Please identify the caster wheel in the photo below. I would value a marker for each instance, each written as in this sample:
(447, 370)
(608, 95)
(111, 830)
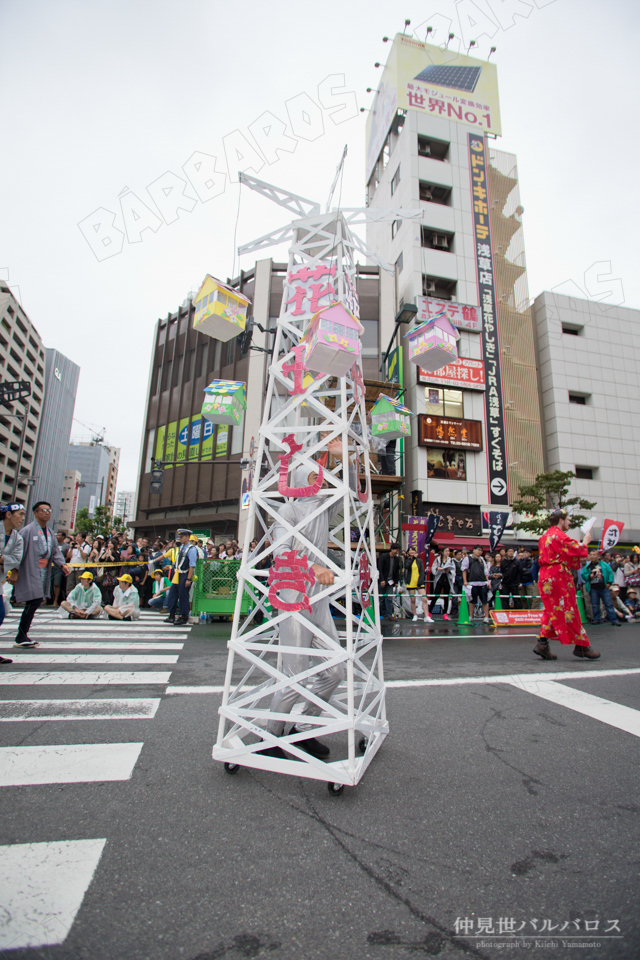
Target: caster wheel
(362, 744)
(335, 789)
(231, 768)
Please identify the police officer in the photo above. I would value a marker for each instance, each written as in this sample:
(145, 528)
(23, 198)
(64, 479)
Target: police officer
(182, 578)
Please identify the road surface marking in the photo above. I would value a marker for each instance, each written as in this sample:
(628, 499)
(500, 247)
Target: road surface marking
(26, 678)
(32, 658)
(614, 714)
(101, 645)
(457, 681)
(122, 709)
(42, 886)
(67, 763)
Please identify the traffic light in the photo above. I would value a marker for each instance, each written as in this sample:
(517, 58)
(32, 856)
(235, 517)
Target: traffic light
(157, 480)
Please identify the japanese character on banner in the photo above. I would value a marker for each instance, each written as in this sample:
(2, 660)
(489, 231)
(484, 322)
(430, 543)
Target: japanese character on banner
(297, 367)
(364, 573)
(313, 273)
(285, 458)
(290, 571)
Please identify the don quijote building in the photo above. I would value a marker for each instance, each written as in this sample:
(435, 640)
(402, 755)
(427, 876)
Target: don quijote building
(431, 142)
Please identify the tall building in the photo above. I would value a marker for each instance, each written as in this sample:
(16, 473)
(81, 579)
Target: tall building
(93, 461)
(69, 501)
(202, 490)
(112, 477)
(588, 361)
(21, 358)
(124, 507)
(430, 146)
(60, 387)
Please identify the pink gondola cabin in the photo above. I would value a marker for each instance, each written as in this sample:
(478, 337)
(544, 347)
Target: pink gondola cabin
(332, 340)
(433, 344)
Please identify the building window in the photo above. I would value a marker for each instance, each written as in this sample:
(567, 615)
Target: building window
(231, 349)
(586, 473)
(204, 355)
(436, 239)
(438, 287)
(395, 226)
(445, 464)
(436, 149)
(399, 264)
(395, 180)
(579, 398)
(443, 402)
(572, 331)
(434, 193)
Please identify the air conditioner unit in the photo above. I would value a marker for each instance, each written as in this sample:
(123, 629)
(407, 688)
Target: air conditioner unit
(431, 288)
(425, 150)
(426, 193)
(440, 240)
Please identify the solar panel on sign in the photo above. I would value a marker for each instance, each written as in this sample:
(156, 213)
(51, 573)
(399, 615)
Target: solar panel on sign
(461, 78)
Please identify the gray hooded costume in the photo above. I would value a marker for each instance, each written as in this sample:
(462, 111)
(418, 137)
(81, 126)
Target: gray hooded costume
(292, 633)
(32, 585)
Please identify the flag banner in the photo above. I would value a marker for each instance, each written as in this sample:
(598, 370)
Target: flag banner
(496, 520)
(611, 530)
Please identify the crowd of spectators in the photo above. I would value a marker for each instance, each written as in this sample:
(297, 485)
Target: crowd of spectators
(610, 584)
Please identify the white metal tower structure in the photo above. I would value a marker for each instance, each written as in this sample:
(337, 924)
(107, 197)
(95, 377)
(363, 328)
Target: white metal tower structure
(297, 425)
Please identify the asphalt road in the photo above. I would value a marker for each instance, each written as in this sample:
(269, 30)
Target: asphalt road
(490, 808)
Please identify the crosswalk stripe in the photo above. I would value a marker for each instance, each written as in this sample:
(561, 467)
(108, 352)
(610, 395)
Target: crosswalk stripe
(121, 709)
(32, 678)
(614, 714)
(32, 658)
(42, 886)
(102, 645)
(94, 626)
(89, 638)
(67, 763)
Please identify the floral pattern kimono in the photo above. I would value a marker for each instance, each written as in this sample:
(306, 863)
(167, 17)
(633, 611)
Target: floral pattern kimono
(558, 555)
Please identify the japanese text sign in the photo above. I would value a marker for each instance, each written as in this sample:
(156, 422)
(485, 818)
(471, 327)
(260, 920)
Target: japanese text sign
(450, 432)
(494, 409)
(460, 315)
(462, 373)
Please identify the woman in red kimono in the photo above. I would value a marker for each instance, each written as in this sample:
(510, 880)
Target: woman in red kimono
(558, 555)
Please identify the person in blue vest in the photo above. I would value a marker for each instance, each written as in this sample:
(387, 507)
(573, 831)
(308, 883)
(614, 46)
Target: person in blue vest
(185, 567)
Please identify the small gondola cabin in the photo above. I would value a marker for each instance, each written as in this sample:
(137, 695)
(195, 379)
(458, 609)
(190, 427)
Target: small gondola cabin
(225, 401)
(390, 419)
(332, 340)
(220, 311)
(433, 344)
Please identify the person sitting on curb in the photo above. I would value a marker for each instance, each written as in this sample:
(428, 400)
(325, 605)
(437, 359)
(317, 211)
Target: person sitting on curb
(161, 587)
(126, 600)
(621, 609)
(84, 602)
(633, 603)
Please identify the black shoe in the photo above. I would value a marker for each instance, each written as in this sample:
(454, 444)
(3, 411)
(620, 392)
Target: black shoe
(25, 643)
(615, 624)
(5, 660)
(180, 621)
(170, 619)
(273, 752)
(312, 746)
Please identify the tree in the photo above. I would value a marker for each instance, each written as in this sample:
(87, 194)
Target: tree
(100, 523)
(548, 492)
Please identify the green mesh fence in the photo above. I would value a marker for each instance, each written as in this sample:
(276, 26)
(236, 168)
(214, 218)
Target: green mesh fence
(216, 587)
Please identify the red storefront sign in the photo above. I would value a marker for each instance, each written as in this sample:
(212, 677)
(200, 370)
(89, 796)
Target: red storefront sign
(464, 374)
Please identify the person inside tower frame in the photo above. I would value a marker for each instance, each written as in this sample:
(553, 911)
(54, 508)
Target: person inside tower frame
(292, 632)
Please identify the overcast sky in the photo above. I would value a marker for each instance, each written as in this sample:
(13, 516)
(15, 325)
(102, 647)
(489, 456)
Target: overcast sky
(99, 97)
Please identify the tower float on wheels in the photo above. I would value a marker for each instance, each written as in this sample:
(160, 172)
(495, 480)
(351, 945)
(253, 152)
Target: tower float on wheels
(307, 661)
